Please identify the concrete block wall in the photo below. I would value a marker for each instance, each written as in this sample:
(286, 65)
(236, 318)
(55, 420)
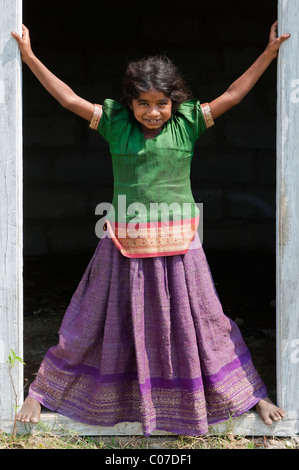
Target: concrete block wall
(67, 167)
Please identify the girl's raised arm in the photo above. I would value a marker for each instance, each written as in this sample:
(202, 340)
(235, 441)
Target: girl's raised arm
(58, 89)
(239, 89)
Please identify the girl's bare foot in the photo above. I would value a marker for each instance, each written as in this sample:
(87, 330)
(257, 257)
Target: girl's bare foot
(268, 411)
(30, 411)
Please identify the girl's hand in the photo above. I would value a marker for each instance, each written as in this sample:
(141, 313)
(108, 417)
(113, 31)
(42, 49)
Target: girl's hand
(275, 41)
(24, 43)
(57, 88)
(240, 87)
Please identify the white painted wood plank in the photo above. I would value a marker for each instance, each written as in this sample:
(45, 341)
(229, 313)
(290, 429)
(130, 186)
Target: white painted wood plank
(287, 255)
(249, 424)
(11, 288)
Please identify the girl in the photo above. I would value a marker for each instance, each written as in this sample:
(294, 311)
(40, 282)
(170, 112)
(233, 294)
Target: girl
(144, 338)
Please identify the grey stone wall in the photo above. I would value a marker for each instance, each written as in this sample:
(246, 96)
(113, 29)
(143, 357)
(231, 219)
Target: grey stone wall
(67, 168)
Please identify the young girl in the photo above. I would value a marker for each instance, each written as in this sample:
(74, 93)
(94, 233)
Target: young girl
(144, 338)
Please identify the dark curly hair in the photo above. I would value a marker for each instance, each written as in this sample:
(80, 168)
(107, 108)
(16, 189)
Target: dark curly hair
(155, 72)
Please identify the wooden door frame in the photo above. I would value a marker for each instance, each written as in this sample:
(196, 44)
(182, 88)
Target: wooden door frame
(11, 214)
(287, 246)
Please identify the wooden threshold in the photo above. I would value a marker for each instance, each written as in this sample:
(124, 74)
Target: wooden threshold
(248, 424)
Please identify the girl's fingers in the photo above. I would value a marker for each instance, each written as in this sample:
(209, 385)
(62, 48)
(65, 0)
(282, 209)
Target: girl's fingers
(273, 31)
(284, 37)
(24, 40)
(16, 36)
(275, 41)
(274, 26)
(25, 33)
(25, 30)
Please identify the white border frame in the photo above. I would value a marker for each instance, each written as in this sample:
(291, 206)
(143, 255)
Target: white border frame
(287, 277)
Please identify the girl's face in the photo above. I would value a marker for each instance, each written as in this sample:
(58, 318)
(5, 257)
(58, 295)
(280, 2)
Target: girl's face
(152, 109)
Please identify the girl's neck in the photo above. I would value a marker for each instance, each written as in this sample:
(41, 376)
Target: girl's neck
(151, 133)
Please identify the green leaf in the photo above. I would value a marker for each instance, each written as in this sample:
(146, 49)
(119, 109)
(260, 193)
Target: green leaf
(12, 358)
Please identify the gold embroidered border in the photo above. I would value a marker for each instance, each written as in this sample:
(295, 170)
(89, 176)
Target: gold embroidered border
(154, 240)
(207, 115)
(96, 117)
(163, 406)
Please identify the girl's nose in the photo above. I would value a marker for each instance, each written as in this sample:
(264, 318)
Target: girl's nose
(153, 112)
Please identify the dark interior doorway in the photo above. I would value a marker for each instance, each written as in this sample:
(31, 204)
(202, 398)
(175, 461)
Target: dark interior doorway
(67, 169)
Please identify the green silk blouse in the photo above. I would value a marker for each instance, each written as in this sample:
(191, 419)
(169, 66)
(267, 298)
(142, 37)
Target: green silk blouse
(152, 176)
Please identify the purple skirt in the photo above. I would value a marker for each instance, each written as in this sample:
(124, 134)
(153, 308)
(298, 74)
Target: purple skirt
(146, 340)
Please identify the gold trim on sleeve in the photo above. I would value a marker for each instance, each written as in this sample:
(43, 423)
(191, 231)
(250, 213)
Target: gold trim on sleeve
(96, 117)
(207, 115)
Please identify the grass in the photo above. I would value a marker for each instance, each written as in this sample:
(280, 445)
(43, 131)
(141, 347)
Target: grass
(43, 438)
